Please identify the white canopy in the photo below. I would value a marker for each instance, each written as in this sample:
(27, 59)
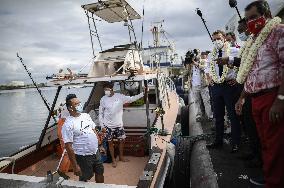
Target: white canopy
(112, 10)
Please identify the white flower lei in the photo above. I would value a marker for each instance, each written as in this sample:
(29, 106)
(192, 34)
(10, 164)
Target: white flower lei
(216, 78)
(203, 63)
(250, 52)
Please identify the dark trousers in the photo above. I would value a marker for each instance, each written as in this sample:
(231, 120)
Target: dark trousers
(250, 127)
(226, 95)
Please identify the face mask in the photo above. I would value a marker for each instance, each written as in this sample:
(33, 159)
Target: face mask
(79, 108)
(107, 93)
(256, 25)
(219, 44)
(243, 36)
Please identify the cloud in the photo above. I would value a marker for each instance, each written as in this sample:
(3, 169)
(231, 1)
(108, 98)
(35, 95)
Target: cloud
(53, 34)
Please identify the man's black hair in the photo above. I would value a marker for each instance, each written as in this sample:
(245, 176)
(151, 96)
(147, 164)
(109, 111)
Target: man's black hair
(231, 33)
(108, 85)
(68, 99)
(219, 32)
(243, 20)
(262, 7)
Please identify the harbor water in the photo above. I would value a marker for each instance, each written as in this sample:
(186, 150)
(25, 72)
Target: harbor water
(23, 115)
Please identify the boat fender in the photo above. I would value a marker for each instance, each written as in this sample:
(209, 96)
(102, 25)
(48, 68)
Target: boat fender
(171, 151)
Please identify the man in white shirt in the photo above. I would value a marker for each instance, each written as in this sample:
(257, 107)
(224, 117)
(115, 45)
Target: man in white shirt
(225, 90)
(110, 117)
(81, 142)
(200, 92)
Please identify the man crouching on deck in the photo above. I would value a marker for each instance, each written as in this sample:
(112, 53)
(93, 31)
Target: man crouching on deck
(81, 142)
(110, 117)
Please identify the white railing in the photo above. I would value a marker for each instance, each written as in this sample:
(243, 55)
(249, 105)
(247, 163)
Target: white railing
(170, 84)
(166, 85)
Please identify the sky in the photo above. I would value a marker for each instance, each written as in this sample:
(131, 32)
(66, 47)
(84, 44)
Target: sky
(50, 35)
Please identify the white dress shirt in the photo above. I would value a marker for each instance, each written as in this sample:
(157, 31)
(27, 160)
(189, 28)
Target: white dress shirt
(232, 74)
(197, 79)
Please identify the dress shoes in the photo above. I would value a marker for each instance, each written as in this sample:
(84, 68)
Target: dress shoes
(235, 148)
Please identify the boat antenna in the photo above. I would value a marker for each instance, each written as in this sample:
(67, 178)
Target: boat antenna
(39, 91)
(142, 27)
(199, 13)
(233, 4)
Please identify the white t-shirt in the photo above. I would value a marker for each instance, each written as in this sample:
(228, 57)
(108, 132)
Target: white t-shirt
(111, 109)
(197, 78)
(79, 131)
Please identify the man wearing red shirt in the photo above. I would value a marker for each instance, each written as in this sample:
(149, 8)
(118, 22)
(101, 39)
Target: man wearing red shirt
(265, 84)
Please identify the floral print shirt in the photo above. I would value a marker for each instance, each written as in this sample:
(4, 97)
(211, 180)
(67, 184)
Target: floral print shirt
(267, 69)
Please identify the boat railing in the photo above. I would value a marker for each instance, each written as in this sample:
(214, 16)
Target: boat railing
(170, 84)
(9, 159)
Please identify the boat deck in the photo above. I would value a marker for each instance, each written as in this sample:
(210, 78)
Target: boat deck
(126, 173)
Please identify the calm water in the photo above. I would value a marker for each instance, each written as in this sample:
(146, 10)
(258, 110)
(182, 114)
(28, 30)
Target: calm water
(23, 115)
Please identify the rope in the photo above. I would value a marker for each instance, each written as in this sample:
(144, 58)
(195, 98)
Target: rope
(87, 14)
(12, 160)
(96, 31)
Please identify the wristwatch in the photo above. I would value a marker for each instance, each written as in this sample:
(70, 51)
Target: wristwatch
(280, 97)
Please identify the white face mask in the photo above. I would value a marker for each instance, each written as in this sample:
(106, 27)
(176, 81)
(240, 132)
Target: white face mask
(107, 93)
(219, 44)
(79, 108)
(243, 36)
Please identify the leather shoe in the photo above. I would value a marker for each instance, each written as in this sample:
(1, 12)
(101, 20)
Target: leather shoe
(235, 149)
(259, 181)
(215, 145)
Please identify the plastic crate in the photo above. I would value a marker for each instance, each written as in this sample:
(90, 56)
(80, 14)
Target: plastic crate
(134, 146)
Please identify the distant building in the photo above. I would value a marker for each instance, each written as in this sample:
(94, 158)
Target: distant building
(164, 54)
(16, 84)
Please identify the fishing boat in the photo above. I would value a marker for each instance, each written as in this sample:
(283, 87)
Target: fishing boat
(151, 126)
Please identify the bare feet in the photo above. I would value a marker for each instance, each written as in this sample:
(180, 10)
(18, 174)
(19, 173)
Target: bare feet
(114, 164)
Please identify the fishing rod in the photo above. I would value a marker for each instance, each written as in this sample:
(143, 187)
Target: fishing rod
(199, 13)
(142, 27)
(233, 4)
(39, 91)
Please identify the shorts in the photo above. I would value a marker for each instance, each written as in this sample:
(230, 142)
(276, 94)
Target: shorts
(115, 133)
(89, 165)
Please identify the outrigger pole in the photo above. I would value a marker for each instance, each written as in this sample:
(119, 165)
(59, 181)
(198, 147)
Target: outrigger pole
(48, 118)
(233, 4)
(39, 91)
(199, 13)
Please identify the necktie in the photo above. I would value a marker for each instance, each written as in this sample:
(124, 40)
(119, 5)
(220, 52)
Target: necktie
(220, 66)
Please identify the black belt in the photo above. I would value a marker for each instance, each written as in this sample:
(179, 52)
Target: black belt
(226, 82)
(263, 92)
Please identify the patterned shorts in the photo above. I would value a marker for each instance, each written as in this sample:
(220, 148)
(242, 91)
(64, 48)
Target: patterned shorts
(115, 133)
